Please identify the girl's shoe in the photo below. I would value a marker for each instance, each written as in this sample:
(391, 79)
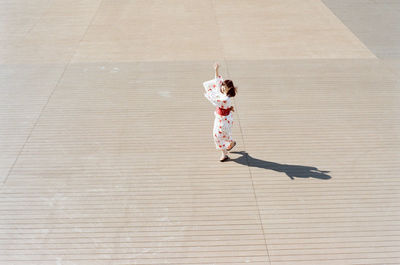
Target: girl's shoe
(233, 145)
(225, 158)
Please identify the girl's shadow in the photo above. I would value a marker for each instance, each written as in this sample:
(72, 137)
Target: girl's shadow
(291, 170)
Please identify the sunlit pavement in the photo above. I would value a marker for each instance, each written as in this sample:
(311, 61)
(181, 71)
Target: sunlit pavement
(106, 142)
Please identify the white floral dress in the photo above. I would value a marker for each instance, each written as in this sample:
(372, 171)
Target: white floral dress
(222, 124)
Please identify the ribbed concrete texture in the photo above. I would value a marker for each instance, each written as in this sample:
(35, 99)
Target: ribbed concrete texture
(107, 155)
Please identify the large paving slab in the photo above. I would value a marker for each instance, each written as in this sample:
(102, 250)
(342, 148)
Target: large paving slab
(108, 172)
(292, 29)
(211, 30)
(375, 23)
(152, 31)
(321, 143)
(105, 137)
(49, 36)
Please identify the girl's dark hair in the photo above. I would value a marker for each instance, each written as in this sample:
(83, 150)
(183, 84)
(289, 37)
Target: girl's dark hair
(232, 89)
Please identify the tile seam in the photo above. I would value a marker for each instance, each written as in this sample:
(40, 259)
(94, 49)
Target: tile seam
(48, 99)
(248, 167)
(241, 134)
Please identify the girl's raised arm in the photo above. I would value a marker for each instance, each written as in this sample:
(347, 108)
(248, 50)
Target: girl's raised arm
(216, 66)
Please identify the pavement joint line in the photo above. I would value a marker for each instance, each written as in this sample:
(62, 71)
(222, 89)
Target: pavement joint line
(51, 94)
(241, 134)
(248, 167)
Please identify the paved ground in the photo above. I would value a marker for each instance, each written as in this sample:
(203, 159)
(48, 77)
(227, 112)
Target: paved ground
(105, 136)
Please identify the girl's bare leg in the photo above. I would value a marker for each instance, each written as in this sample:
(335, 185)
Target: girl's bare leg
(224, 153)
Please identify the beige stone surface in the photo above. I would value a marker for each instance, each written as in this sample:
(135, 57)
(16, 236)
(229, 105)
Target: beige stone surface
(375, 23)
(152, 31)
(51, 35)
(212, 30)
(292, 29)
(25, 90)
(106, 138)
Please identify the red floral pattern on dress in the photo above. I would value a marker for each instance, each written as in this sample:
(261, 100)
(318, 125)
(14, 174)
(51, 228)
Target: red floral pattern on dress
(222, 124)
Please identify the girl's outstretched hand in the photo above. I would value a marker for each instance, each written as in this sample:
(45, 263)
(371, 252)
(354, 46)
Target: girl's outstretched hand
(232, 108)
(216, 65)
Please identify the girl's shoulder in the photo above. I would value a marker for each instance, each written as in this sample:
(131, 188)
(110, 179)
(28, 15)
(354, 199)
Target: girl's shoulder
(224, 96)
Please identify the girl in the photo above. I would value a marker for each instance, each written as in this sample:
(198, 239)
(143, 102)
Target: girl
(219, 92)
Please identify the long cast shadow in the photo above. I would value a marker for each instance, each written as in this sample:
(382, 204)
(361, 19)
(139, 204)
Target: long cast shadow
(292, 171)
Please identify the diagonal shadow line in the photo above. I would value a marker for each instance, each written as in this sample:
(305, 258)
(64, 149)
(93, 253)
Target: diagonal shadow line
(292, 171)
